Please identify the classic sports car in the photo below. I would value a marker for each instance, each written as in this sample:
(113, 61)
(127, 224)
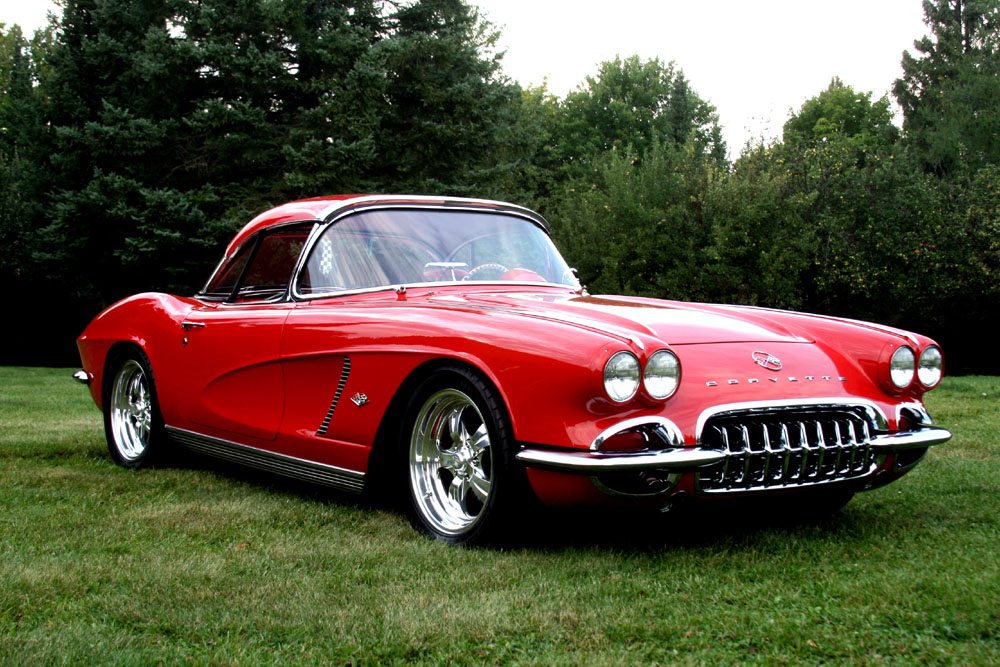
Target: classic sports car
(442, 349)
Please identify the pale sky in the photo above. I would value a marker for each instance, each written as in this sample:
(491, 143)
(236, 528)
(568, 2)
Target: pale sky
(756, 61)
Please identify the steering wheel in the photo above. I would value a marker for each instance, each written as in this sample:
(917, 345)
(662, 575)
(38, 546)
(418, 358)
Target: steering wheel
(487, 271)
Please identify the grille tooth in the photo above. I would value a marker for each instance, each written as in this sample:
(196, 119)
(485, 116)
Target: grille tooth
(767, 453)
(747, 458)
(821, 448)
(725, 461)
(787, 448)
(840, 447)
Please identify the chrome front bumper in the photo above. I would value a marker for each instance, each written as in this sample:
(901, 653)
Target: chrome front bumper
(679, 458)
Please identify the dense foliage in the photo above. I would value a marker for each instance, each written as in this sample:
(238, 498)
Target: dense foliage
(136, 136)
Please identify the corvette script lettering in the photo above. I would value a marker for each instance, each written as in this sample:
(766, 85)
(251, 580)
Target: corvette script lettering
(715, 383)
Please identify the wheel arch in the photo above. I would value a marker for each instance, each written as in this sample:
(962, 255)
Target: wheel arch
(380, 459)
(115, 352)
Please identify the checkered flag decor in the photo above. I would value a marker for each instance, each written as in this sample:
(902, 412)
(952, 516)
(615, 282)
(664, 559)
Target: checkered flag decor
(325, 256)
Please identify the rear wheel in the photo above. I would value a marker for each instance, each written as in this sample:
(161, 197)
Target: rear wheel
(132, 421)
(464, 484)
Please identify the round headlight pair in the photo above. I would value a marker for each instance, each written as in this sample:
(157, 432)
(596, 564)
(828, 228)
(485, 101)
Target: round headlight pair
(622, 373)
(904, 365)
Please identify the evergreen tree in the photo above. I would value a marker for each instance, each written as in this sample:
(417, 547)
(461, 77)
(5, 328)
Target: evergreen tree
(177, 120)
(949, 92)
(23, 175)
(448, 110)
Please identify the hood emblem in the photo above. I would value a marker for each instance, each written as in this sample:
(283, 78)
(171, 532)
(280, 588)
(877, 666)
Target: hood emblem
(765, 360)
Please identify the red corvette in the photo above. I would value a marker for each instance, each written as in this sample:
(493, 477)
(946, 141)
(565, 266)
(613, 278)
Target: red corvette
(442, 348)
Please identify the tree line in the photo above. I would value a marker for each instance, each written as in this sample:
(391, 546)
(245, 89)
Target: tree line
(137, 135)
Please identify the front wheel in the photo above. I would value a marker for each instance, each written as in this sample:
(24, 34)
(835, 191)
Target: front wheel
(464, 484)
(132, 421)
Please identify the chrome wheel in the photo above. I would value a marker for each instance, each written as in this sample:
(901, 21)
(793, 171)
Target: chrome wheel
(131, 411)
(450, 462)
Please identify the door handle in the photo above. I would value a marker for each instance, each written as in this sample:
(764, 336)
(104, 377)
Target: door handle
(187, 326)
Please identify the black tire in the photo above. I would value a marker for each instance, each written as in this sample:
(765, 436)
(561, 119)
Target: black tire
(133, 425)
(457, 450)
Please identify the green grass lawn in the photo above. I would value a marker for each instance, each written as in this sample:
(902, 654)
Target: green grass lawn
(214, 564)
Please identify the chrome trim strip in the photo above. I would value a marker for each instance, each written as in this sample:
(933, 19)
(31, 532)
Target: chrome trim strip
(925, 437)
(425, 201)
(579, 461)
(289, 466)
(344, 373)
(791, 404)
(394, 288)
(667, 431)
(82, 376)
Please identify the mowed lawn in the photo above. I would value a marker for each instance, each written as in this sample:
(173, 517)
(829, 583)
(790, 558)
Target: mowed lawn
(208, 563)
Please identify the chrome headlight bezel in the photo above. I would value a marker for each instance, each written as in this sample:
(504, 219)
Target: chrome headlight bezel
(662, 375)
(903, 367)
(622, 376)
(930, 366)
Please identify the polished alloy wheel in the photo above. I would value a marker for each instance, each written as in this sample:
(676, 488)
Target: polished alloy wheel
(131, 411)
(451, 464)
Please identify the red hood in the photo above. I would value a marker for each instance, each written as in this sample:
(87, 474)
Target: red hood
(674, 323)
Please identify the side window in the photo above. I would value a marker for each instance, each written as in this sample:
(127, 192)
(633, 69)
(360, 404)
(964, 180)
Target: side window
(225, 280)
(262, 269)
(271, 267)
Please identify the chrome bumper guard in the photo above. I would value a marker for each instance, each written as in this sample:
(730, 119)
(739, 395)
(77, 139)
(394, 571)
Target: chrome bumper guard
(590, 463)
(82, 376)
(666, 451)
(923, 437)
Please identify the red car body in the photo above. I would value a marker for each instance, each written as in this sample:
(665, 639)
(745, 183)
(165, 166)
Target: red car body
(324, 382)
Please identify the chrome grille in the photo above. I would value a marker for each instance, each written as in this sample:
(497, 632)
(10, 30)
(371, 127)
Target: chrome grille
(787, 448)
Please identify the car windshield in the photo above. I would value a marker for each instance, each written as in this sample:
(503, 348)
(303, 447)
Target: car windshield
(391, 247)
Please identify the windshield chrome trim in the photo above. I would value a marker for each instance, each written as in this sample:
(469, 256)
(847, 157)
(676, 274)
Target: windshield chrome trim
(431, 286)
(357, 205)
(426, 201)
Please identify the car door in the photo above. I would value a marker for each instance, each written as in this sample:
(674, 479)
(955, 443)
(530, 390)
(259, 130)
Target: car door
(232, 346)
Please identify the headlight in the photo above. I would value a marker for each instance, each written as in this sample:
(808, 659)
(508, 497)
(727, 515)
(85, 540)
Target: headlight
(621, 376)
(663, 374)
(930, 368)
(902, 367)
